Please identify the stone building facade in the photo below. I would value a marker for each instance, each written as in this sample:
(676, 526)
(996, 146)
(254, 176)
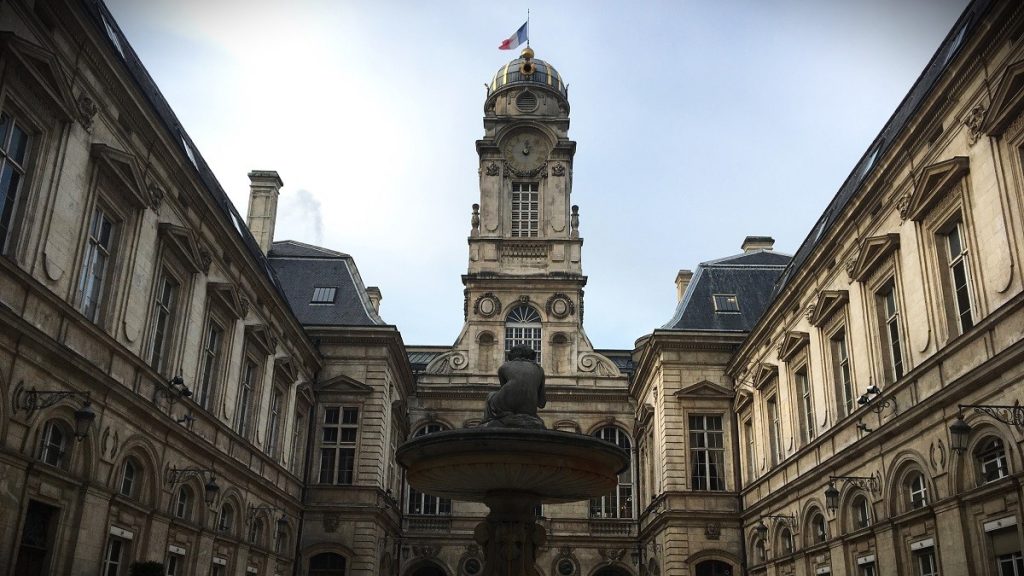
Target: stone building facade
(177, 386)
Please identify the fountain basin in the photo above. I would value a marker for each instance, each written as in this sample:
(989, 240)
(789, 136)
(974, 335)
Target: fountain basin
(476, 463)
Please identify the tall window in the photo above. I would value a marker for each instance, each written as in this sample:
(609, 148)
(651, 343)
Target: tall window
(748, 437)
(707, 453)
(1006, 548)
(925, 561)
(226, 518)
(917, 490)
(420, 503)
(55, 440)
(806, 407)
(250, 375)
(841, 368)
(99, 246)
(183, 503)
(959, 276)
(525, 209)
(163, 321)
(211, 363)
(891, 337)
(818, 531)
(618, 504)
(522, 326)
(861, 512)
(114, 557)
(298, 448)
(256, 532)
(338, 445)
(274, 422)
(13, 154)
(991, 460)
(129, 478)
(774, 430)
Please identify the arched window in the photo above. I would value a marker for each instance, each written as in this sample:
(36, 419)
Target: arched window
(760, 555)
(618, 504)
(183, 503)
(990, 459)
(256, 531)
(226, 518)
(522, 326)
(54, 445)
(327, 564)
(816, 531)
(425, 504)
(283, 541)
(785, 541)
(860, 512)
(714, 568)
(129, 478)
(916, 490)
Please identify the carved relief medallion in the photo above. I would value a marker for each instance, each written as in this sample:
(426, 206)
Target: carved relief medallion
(560, 306)
(487, 305)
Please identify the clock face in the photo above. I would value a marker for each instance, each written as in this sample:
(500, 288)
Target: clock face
(525, 150)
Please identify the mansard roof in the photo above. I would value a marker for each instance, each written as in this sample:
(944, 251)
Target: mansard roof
(750, 277)
(957, 37)
(302, 268)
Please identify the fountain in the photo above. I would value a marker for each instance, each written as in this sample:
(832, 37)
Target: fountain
(512, 464)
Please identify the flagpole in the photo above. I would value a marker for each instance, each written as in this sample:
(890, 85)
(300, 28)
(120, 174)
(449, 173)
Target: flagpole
(527, 27)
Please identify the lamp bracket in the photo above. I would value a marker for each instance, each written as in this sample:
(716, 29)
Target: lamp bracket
(31, 400)
(176, 476)
(869, 483)
(1005, 413)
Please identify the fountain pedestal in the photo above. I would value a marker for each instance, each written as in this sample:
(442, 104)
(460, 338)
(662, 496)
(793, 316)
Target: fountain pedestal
(511, 471)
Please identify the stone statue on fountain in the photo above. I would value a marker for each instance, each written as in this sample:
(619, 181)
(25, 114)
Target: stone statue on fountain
(515, 404)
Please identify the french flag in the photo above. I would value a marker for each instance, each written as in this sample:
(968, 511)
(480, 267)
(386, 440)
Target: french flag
(520, 37)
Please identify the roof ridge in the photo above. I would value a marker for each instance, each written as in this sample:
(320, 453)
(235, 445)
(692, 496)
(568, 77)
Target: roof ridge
(325, 251)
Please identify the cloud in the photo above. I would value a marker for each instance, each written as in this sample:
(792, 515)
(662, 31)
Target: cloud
(299, 217)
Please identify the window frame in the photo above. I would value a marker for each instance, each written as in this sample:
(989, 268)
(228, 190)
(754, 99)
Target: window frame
(46, 445)
(129, 479)
(915, 487)
(734, 309)
(341, 449)
(955, 313)
(276, 411)
(94, 248)
(532, 214)
(123, 556)
(804, 396)
(841, 365)
(612, 506)
(422, 504)
(890, 329)
(183, 506)
(246, 398)
(531, 331)
(11, 239)
(773, 420)
(983, 454)
(164, 318)
(211, 363)
(703, 453)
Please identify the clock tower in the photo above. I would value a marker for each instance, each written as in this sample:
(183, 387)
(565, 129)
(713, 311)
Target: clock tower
(525, 280)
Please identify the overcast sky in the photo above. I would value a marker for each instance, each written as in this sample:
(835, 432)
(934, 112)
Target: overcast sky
(697, 123)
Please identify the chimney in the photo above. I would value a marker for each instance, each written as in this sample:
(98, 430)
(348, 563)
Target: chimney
(755, 243)
(682, 281)
(264, 188)
(374, 294)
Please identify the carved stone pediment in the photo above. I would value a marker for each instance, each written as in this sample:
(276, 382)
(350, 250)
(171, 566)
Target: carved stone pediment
(827, 304)
(1008, 101)
(764, 374)
(42, 70)
(932, 185)
(228, 296)
(874, 251)
(792, 343)
(743, 399)
(344, 384)
(184, 242)
(285, 366)
(704, 389)
(126, 173)
(260, 336)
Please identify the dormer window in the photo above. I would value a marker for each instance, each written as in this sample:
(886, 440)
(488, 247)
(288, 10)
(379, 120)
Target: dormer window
(726, 303)
(324, 295)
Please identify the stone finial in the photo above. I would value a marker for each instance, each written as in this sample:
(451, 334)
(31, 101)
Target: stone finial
(755, 243)
(475, 221)
(682, 281)
(574, 222)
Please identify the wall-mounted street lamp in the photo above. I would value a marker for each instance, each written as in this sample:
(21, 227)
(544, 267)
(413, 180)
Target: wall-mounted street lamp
(173, 390)
(1005, 413)
(872, 394)
(282, 522)
(762, 528)
(32, 400)
(869, 483)
(207, 476)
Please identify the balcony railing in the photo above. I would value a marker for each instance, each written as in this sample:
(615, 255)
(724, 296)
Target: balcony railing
(428, 523)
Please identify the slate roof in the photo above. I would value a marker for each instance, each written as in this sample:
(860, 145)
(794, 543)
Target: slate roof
(954, 41)
(750, 276)
(302, 267)
(623, 360)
